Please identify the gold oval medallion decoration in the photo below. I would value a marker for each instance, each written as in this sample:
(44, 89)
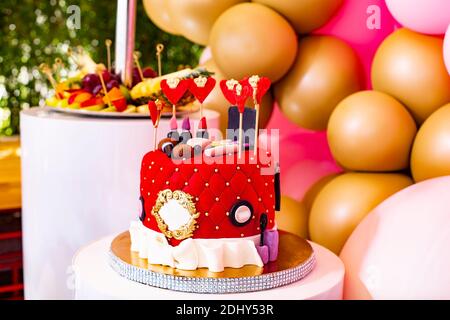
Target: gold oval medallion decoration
(175, 214)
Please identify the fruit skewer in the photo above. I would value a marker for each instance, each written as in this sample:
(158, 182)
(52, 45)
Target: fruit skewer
(159, 50)
(108, 44)
(138, 65)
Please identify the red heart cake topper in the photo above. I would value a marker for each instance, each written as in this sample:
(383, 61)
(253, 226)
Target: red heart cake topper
(262, 85)
(155, 112)
(174, 88)
(241, 94)
(201, 87)
(227, 87)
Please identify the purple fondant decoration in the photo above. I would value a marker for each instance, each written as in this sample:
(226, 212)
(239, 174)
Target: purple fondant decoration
(263, 252)
(271, 240)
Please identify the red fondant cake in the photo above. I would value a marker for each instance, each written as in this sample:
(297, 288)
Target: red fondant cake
(216, 189)
(209, 204)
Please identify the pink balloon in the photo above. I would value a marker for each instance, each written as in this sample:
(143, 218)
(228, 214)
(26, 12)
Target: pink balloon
(425, 16)
(304, 155)
(363, 24)
(401, 249)
(447, 49)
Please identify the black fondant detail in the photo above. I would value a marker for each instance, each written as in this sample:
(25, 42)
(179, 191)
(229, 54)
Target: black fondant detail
(233, 209)
(174, 135)
(202, 134)
(184, 137)
(142, 216)
(262, 227)
(277, 191)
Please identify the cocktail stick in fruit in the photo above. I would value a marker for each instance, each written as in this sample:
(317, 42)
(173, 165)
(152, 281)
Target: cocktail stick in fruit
(57, 67)
(159, 50)
(108, 43)
(136, 55)
(102, 81)
(48, 72)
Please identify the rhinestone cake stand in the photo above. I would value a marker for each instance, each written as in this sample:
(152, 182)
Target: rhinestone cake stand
(295, 261)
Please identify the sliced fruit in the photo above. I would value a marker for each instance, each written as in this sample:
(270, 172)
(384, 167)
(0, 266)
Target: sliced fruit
(125, 92)
(63, 103)
(52, 101)
(142, 109)
(74, 105)
(96, 101)
(130, 109)
(120, 104)
(109, 109)
(94, 108)
(79, 96)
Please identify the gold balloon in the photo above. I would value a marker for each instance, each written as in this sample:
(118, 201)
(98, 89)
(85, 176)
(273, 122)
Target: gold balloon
(195, 18)
(410, 67)
(345, 201)
(312, 192)
(326, 71)
(293, 217)
(158, 12)
(430, 156)
(216, 101)
(371, 131)
(250, 38)
(305, 15)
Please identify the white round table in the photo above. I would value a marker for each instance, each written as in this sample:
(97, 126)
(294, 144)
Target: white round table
(80, 182)
(95, 279)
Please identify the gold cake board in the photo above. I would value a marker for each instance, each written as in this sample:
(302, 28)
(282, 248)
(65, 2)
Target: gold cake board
(295, 261)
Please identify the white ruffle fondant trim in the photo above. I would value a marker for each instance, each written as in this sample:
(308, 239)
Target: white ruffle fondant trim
(190, 254)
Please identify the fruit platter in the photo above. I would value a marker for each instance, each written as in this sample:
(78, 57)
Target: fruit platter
(97, 90)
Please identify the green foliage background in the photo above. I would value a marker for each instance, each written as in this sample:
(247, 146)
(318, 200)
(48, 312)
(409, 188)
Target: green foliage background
(33, 32)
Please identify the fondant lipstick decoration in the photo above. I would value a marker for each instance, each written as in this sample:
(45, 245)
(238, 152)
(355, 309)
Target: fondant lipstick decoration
(173, 133)
(200, 88)
(155, 108)
(202, 131)
(185, 131)
(174, 89)
(259, 85)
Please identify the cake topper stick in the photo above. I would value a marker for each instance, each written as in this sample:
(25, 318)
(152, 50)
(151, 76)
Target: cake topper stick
(102, 81)
(159, 50)
(155, 107)
(253, 81)
(260, 85)
(136, 55)
(108, 43)
(238, 89)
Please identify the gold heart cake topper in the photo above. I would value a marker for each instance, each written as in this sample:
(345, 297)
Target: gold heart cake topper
(253, 81)
(238, 89)
(173, 82)
(231, 83)
(200, 81)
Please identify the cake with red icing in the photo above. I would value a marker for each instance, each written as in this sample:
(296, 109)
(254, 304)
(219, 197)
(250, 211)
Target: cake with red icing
(207, 204)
